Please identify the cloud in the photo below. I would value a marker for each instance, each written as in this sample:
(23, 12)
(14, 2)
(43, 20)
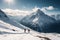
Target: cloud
(43, 8)
(50, 8)
(47, 8)
(16, 12)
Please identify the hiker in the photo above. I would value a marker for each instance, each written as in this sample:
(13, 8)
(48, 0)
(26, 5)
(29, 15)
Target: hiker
(13, 29)
(24, 30)
(28, 30)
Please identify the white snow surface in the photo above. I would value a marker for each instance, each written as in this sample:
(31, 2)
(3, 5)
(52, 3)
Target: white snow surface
(20, 35)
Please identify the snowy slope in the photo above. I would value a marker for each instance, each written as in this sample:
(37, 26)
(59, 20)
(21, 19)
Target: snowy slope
(5, 27)
(9, 25)
(30, 36)
(9, 34)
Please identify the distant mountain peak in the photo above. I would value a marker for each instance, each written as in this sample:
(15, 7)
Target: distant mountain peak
(39, 12)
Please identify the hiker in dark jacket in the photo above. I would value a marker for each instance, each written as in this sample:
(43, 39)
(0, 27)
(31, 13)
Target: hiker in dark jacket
(13, 29)
(24, 30)
(28, 30)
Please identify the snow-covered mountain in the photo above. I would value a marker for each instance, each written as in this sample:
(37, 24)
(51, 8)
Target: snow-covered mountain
(10, 31)
(38, 21)
(6, 19)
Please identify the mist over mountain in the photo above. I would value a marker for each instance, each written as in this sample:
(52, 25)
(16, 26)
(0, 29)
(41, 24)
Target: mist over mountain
(57, 16)
(16, 14)
(16, 18)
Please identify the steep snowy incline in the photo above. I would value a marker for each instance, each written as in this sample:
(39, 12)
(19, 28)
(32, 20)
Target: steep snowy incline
(5, 27)
(9, 25)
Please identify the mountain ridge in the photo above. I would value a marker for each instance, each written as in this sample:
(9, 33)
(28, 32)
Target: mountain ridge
(43, 21)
